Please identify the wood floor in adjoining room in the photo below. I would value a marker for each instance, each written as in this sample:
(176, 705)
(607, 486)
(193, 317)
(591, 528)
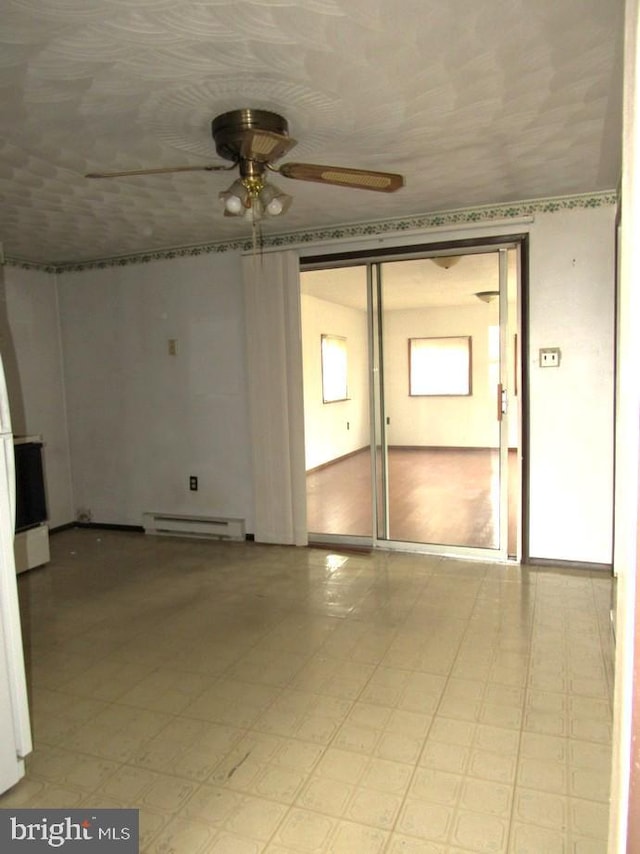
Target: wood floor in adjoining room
(446, 496)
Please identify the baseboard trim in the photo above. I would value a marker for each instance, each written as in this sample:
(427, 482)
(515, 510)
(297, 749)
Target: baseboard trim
(59, 528)
(443, 448)
(340, 547)
(337, 459)
(569, 564)
(367, 448)
(104, 526)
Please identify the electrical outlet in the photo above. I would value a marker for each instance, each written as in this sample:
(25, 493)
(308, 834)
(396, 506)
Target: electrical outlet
(193, 483)
(549, 357)
(173, 347)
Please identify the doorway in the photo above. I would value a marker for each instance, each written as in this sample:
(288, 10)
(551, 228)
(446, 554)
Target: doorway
(413, 435)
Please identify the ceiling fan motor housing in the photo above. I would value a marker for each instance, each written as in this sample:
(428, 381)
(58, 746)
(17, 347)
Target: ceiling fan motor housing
(230, 131)
(253, 140)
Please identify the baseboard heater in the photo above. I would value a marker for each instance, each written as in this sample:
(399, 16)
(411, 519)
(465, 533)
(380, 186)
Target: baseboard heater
(204, 527)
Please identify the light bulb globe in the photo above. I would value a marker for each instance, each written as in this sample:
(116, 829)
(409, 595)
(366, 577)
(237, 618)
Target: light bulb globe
(275, 207)
(234, 205)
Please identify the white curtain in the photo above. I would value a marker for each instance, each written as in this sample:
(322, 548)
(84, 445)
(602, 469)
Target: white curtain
(276, 403)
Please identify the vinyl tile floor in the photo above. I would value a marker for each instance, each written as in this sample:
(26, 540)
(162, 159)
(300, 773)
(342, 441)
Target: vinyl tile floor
(249, 698)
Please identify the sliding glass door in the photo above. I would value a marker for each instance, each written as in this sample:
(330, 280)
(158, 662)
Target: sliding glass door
(335, 348)
(441, 425)
(412, 426)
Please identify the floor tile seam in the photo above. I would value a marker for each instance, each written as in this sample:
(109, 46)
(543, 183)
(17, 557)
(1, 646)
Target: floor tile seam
(93, 658)
(568, 829)
(377, 667)
(147, 788)
(308, 773)
(154, 836)
(567, 793)
(356, 788)
(74, 723)
(92, 696)
(225, 675)
(62, 781)
(58, 782)
(254, 646)
(567, 764)
(348, 700)
(606, 642)
(117, 705)
(139, 706)
(290, 687)
(105, 757)
(596, 742)
(242, 732)
(455, 809)
(525, 695)
(337, 820)
(161, 771)
(417, 765)
(566, 738)
(467, 633)
(243, 796)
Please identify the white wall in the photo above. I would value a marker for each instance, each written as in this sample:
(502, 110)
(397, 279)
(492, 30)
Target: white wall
(440, 421)
(141, 420)
(326, 433)
(571, 306)
(624, 815)
(31, 351)
(468, 421)
(571, 420)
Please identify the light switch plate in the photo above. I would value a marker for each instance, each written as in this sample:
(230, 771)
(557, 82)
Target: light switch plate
(549, 357)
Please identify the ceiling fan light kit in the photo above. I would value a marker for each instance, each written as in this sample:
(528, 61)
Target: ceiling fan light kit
(253, 140)
(446, 261)
(487, 296)
(254, 198)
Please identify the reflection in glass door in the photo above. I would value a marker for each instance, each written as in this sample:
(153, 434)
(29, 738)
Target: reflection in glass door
(335, 348)
(413, 444)
(442, 425)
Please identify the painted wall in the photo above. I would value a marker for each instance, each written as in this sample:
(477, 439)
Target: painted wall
(570, 422)
(31, 352)
(141, 421)
(327, 435)
(624, 818)
(571, 306)
(467, 421)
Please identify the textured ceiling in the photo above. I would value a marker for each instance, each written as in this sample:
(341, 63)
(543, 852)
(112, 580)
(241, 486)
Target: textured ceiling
(474, 102)
(414, 283)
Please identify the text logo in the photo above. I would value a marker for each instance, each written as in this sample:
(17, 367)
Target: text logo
(104, 830)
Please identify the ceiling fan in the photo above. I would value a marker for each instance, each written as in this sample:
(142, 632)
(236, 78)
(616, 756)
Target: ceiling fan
(253, 140)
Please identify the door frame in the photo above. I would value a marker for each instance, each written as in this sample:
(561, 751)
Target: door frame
(520, 241)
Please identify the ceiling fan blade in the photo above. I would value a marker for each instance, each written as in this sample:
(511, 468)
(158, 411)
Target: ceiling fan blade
(264, 145)
(361, 179)
(161, 171)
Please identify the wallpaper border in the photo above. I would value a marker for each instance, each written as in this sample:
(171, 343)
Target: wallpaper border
(459, 216)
